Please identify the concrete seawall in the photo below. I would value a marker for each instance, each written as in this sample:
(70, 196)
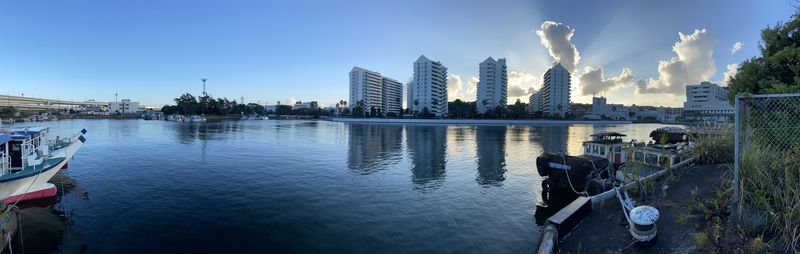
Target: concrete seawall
(472, 121)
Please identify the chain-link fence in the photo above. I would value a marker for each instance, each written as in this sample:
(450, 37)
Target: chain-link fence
(767, 154)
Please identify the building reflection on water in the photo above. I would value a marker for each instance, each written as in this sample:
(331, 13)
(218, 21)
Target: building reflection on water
(552, 139)
(371, 147)
(427, 152)
(491, 150)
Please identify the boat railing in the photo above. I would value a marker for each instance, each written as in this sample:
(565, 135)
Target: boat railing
(5, 163)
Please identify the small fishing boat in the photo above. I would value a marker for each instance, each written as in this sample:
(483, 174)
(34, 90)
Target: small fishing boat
(176, 118)
(196, 118)
(28, 159)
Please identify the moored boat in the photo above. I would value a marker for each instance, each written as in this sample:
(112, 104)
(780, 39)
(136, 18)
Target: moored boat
(608, 161)
(28, 159)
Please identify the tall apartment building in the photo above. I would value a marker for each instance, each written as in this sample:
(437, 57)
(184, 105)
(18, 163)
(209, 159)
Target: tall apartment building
(553, 99)
(429, 88)
(374, 91)
(493, 85)
(392, 96)
(707, 102)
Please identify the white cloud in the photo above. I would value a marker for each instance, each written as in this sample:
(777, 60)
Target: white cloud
(290, 101)
(522, 79)
(694, 63)
(736, 47)
(730, 73)
(556, 38)
(457, 90)
(592, 81)
(521, 85)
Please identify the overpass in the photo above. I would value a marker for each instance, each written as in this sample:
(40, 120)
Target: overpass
(30, 103)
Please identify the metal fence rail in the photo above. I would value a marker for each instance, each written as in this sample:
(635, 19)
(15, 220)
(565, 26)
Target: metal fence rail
(764, 123)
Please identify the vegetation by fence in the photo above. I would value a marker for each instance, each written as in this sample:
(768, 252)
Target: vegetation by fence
(767, 163)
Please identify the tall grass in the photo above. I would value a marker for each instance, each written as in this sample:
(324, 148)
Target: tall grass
(714, 145)
(770, 181)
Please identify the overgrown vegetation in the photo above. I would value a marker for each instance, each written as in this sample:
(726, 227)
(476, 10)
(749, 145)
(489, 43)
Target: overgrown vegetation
(771, 185)
(714, 145)
(718, 234)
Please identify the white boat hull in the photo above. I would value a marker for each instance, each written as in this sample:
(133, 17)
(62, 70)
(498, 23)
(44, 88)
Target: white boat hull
(16, 187)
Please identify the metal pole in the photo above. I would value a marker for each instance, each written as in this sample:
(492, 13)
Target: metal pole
(736, 141)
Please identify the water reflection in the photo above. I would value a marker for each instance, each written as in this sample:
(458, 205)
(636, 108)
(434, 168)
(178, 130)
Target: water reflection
(426, 149)
(491, 149)
(50, 222)
(371, 148)
(552, 138)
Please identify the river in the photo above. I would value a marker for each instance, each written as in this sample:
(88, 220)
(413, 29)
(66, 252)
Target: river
(298, 187)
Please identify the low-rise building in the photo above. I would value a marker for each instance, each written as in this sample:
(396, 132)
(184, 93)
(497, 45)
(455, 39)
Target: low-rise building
(125, 106)
(602, 110)
(303, 105)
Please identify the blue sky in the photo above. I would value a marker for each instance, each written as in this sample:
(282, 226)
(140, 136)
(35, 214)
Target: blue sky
(152, 51)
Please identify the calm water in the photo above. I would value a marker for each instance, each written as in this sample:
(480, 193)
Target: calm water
(299, 186)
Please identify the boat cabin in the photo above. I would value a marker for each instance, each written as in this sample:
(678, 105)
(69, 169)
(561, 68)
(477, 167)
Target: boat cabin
(661, 155)
(607, 145)
(24, 147)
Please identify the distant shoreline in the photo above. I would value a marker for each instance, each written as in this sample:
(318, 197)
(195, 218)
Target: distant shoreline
(473, 121)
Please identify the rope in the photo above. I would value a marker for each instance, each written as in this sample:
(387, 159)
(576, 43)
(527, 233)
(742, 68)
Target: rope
(66, 214)
(29, 187)
(583, 194)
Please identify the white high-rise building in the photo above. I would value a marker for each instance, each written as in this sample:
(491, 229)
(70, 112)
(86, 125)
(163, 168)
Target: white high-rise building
(707, 102)
(429, 89)
(493, 85)
(373, 91)
(392, 96)
(553, 98)
(409, 96)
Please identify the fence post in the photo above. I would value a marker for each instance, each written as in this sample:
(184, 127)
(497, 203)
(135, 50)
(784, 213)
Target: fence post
(735, 200)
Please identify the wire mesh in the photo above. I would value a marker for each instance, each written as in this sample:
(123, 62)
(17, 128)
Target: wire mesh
(767, 140)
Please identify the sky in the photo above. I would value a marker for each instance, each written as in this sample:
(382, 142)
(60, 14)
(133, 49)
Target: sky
(632, 52)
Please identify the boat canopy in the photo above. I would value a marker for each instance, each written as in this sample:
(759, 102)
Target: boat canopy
(608, 134)
(607, 137)
(4, 138)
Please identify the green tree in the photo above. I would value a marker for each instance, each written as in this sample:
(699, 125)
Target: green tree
(7, 112)
(187, 104)
(777, 69)
(518, 110)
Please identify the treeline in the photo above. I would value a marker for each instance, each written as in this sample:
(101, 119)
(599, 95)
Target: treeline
(462, 109)
(188, 104)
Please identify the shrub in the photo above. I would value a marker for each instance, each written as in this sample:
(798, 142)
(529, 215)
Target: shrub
(714, 145)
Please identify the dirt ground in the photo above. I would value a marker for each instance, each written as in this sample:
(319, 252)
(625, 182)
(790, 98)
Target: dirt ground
(604, 230)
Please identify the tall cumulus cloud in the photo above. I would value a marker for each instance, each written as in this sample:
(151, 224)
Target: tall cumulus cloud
(592, 81)
(694, 63)
(556, 37)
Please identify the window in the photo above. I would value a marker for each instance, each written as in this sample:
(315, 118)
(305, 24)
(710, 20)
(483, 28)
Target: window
(588, 149)
(618, 149)
(594, 149)
(664, 161)
(651, 159)
(602, 150)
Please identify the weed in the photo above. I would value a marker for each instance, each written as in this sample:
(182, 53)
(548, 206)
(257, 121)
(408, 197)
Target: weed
(682, 218)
